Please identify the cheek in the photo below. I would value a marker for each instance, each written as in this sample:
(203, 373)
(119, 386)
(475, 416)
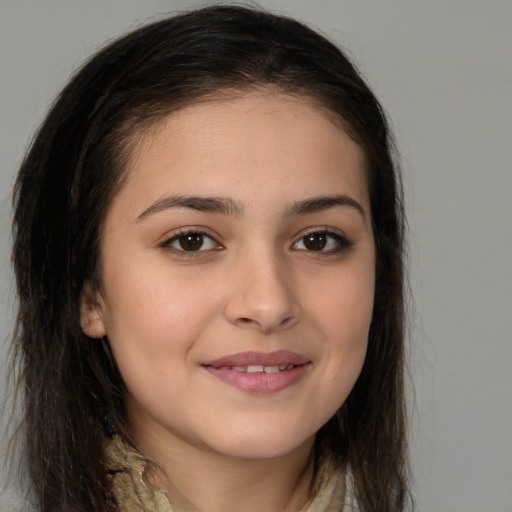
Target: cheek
(152, 317)
(343, 315)
(343, 301)
(149, 296)
(152, 335)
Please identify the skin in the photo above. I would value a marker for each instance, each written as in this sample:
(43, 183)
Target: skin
(254, 285)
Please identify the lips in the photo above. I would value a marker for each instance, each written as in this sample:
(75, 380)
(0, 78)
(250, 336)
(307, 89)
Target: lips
(258, 372)
(277, 358)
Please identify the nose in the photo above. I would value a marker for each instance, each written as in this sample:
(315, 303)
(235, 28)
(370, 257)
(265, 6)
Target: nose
(262, 296)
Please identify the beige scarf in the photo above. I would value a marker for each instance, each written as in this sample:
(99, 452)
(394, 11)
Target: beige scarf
(134, 495)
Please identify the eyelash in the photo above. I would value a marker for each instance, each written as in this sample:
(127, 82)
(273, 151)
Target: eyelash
(339, 242)
(168, 244)
(336, 242)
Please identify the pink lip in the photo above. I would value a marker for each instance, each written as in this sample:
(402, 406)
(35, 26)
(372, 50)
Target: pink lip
(260, 382)
(259, 358)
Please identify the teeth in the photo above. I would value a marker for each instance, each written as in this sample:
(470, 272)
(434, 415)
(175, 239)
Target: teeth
(256, 368)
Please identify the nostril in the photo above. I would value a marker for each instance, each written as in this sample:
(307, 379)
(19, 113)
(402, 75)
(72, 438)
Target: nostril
(287, 321)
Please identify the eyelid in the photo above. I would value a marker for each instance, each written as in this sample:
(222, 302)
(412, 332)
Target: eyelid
(343, 242)
(174, 235)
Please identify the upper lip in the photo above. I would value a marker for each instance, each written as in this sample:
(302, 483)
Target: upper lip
(278, 357)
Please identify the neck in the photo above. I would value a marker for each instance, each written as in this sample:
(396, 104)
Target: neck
(200, 480)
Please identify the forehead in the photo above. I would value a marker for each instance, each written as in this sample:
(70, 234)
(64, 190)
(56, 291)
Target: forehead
(261, 139)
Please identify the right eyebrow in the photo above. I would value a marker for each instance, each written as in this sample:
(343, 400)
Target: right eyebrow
(222, 205)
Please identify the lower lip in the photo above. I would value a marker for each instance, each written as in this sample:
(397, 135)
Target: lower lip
(260, 382)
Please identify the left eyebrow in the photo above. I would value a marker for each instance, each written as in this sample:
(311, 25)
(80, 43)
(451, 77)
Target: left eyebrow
(319, 203)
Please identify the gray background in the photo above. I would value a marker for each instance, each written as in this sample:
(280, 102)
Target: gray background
(443, 70)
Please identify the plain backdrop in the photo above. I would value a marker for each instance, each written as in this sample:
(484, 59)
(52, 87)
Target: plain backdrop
(443, 71)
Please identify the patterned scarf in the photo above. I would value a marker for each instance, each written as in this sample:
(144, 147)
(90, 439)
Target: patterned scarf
(126, 467)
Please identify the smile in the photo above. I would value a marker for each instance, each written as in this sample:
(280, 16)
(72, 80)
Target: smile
(259, 373)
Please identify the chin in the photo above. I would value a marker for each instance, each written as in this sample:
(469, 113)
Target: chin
(262, 444)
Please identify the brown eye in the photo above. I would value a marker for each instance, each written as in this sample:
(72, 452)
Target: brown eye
(315, 241)
(191, 241)
(325, 242)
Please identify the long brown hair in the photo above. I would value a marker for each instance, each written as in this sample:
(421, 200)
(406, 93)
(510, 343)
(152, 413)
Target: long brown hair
(73, 392)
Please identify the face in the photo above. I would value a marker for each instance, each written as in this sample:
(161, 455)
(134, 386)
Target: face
(238, 276)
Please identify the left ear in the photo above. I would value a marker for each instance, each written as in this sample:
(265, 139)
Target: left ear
(92, 312)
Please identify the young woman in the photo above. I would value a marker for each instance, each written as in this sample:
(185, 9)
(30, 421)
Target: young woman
(208, 252)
